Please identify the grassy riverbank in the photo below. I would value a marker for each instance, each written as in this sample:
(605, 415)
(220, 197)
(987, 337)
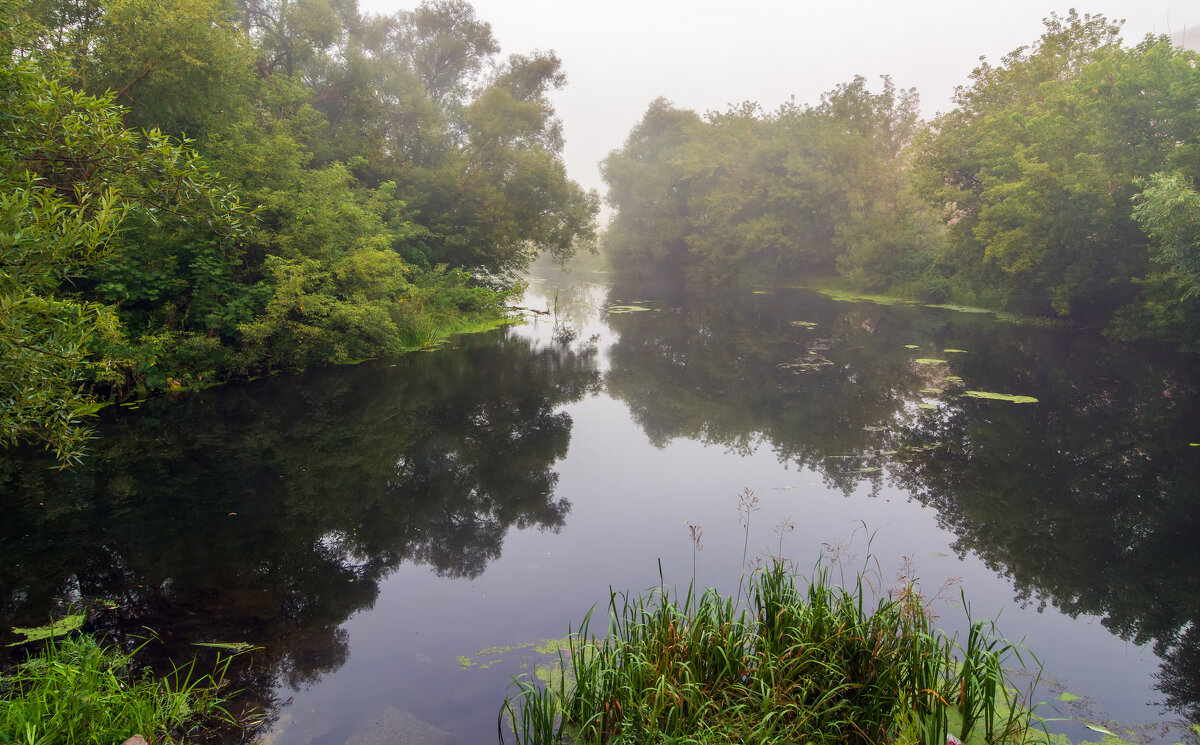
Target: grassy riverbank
(77, 690)
(803, 661)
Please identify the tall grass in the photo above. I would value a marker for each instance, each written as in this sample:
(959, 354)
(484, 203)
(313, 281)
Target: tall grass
(809, 662)
(78, 691)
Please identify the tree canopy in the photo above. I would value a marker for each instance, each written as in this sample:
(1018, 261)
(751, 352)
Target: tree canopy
(194, 191)
(1056, 186)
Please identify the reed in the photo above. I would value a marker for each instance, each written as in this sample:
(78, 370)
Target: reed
(802, 661)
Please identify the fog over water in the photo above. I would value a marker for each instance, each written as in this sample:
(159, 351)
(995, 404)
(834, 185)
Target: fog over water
(621, 54)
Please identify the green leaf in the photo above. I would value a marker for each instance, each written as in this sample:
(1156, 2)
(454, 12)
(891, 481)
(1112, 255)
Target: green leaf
(64, 625)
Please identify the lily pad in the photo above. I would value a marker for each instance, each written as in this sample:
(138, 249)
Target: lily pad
(929, 361)
(931, 391)
(954, 379)
(911, 346)
(1001, 397)
(954, 351)
(64, 625)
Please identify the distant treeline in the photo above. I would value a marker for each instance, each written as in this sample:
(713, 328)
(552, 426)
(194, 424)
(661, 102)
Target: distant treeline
(1062, 183)
(350, 186)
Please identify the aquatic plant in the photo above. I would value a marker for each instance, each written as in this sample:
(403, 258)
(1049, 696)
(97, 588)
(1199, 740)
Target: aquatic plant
(811, 662)
(77, 690)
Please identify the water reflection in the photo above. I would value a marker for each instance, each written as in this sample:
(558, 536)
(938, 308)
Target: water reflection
(270, 512)
(1089, 499)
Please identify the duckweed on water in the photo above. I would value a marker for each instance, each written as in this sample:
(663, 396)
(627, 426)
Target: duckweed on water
(812, 665)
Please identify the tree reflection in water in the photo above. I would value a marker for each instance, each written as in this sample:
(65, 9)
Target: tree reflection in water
(1089, 499)
(269, 512)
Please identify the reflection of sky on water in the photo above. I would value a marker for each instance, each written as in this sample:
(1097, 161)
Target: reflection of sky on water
(390, 585)
(631, 506)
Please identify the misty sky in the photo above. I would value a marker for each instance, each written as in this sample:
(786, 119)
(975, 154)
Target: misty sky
(621, 54)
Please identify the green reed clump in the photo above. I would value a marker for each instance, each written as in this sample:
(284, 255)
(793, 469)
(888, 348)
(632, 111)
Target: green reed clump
(79, 691)
(818, 664)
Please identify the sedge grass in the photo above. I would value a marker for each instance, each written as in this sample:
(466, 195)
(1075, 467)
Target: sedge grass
(78, 691)
(813, 664)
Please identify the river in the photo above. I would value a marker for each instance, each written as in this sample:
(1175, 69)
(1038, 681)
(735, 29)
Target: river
(401, 539)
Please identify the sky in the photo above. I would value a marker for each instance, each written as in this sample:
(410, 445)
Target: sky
(619, 55)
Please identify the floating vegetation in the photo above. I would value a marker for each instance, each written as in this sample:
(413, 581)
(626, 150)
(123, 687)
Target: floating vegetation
(843, 296)
(1194, 444)
(804, 324)
(485, 658)
(954, 379)
(912, 346)
(954, 351)
(231, 646)
(761, 292)
(1001, 397)
(926, 406)
(959, 308)
(929, 361)
(64, 625)
(627, 308)
(931, 391)
(813, 360)
(810, 363)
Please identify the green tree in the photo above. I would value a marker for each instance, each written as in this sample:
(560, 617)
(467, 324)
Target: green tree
(70, 174)
(1037, 165)
(1168, 210)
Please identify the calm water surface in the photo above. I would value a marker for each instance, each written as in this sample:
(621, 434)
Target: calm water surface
(398, 538)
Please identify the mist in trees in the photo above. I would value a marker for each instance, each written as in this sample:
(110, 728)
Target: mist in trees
(1058, 185)
(393, 176)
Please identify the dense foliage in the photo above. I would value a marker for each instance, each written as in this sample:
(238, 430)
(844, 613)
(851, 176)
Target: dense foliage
(194, 191)
(1062, 183)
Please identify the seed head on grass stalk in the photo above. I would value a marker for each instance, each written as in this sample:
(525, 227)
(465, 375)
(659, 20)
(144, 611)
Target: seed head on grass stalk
(747, 505)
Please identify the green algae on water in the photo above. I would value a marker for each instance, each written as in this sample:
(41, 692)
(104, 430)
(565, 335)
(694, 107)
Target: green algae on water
(1001, 397)
(929, 361)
